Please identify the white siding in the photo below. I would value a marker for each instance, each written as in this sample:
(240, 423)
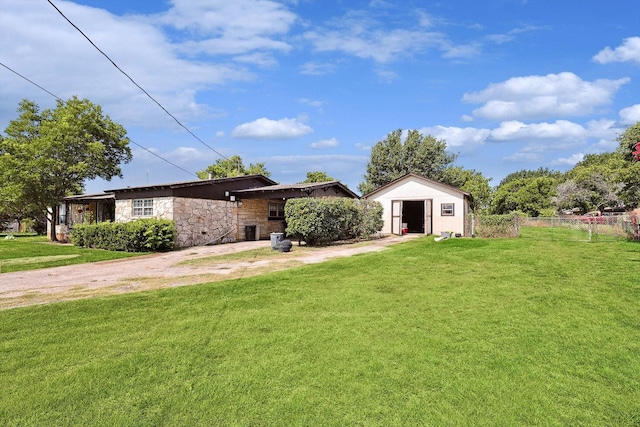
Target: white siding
(415, 188)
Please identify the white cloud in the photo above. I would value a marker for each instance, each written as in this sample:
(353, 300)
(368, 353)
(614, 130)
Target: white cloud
(311, 102)
(317, 69)
(510, 35)
(628, 51)
(603, 128)
(230, 27)
(261, 59)
(570, 161)
(535, 97)
(630, 115)
(386, 76)
(463, 138)
(219, 134)
(360, 34)
(264, 128)
(526, 155)
(325, 143)
(462, 51)
(57, 57)
(518, 131)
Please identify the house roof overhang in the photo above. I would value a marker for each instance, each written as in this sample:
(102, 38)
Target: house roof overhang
(88, 198)
(195, 183)
(288, 191)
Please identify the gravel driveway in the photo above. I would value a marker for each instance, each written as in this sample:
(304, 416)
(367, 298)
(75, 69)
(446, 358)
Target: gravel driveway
(160, 271)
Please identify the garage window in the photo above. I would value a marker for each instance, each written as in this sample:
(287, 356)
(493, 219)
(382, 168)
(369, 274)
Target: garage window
(447, 209)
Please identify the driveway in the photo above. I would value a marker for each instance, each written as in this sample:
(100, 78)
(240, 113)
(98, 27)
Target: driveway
(179, 268)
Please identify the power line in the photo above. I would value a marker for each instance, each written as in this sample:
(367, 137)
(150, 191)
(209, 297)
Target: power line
(130, 140)
(136, 84)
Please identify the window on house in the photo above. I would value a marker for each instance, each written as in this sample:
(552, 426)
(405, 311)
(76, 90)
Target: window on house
(142, 207)
(276, 210)
(62, 214)
(446, 209)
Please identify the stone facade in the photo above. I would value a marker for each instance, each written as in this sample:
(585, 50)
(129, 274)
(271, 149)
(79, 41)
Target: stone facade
(202, 221)
(198, 221)
(255, 212)
(162, 209)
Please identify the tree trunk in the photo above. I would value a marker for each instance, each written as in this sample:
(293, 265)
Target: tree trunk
(54, 221)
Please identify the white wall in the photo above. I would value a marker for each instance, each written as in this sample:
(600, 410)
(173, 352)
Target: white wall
(414, 188)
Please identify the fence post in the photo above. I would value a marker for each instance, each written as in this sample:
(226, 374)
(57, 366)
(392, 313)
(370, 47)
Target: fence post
(473, 225)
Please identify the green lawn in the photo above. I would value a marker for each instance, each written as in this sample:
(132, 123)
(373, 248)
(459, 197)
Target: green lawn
(461, 332)
(29, 253)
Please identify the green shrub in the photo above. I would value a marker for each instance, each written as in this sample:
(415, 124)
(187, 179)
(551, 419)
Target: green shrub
(548, 213)
(497, 225)
(318, 221)
(143, 235)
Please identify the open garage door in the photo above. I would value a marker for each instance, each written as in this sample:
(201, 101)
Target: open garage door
(412, 216)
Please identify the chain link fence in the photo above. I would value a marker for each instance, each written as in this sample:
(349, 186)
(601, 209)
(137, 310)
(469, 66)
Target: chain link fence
(573, 228)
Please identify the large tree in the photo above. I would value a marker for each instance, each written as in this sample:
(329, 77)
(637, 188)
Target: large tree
(394, 157)
(591, 184)
(47, 155)
(317, 176)
(526, 191)
(606, 179)
(629, 173)
(474, 183)
(230, 167)
(528, 174)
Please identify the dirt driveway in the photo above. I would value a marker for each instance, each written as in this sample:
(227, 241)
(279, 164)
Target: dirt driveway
(185, 267)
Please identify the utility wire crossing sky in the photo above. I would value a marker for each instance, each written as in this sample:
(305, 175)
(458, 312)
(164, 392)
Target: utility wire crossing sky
(312, 85)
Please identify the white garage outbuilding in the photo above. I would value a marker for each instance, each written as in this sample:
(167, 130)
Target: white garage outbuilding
(415, 204)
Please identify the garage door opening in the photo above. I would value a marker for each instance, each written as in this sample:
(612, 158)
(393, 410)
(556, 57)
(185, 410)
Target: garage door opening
(413, 215)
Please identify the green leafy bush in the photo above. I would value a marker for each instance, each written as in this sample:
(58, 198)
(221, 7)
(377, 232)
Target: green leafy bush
(143, 235)
(318, 221)
(497, 225)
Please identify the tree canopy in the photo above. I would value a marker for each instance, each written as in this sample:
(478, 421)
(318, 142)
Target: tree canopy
(473, 182)
(629, 173)
(47, 155)
(394, 157)
(317, 176)
(604, 180)
(528, 191)
(230, 167)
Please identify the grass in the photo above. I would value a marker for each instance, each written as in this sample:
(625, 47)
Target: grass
(464, 331)
(29, 253)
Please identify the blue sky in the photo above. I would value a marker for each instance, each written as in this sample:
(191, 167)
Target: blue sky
(306, 85)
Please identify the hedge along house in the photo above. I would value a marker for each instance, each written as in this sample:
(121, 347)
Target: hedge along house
(415, 204)
(212, 211)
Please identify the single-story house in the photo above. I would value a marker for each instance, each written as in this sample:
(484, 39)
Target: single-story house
(204, 211)
(415, 204)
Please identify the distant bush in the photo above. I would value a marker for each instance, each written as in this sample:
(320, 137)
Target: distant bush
(143, 235)
(497, 225)
(318, 221)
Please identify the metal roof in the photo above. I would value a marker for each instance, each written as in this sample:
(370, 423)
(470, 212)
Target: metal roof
(194, 183)
(305, 187)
